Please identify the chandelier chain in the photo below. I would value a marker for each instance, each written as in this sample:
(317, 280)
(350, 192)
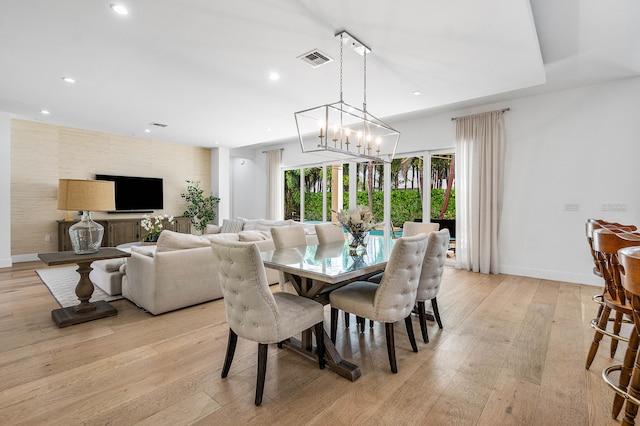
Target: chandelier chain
(364, 101)
(341, 44)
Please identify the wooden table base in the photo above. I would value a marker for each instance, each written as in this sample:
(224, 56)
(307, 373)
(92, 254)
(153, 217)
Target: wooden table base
(334, 361)
(65, 317)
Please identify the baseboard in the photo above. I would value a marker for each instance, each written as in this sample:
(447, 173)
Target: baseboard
(588, 279)
(5, 262)
(25, 258)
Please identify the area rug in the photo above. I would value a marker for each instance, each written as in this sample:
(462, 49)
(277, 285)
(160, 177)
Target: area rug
(62, 282)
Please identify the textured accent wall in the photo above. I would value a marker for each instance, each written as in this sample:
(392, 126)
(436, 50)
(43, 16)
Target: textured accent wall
(43, 153)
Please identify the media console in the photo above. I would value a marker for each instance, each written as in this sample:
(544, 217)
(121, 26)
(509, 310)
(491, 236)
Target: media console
(119, 231)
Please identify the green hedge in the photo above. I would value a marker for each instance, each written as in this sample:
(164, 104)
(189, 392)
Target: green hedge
(406, 205)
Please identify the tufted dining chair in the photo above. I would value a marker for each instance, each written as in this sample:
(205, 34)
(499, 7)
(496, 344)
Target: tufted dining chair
(392, 300)
(329, 233)
(431, 277)
(285, 237)
(410, 229)
(253, 312)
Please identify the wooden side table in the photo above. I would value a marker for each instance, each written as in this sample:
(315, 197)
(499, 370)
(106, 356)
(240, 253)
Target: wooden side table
(85, 311)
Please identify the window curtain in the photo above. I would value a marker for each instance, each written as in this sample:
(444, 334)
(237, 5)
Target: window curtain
(274, 186)
(479, 171)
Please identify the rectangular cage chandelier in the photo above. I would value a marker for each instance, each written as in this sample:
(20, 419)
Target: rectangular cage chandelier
(343, 131)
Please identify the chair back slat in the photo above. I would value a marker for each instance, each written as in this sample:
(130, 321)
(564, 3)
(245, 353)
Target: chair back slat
(606, 243)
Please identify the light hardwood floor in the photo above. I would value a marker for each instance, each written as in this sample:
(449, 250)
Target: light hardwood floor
(512, 352)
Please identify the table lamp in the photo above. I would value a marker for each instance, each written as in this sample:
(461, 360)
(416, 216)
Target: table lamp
(86, 196)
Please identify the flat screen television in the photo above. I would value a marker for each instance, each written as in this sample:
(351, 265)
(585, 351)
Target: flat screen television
(139, 194)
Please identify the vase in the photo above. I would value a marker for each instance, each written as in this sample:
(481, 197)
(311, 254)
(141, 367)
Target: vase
(149, 241)
(357, 241)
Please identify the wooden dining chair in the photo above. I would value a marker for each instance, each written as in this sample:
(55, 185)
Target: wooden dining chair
(254, 313)
(629, 268)
(590, 226)
(392, 300)
(606, 243)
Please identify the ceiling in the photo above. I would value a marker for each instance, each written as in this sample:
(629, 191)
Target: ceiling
(202, 67)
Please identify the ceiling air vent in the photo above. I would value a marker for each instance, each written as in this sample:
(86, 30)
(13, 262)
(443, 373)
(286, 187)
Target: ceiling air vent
(315, 58)
(158, 124)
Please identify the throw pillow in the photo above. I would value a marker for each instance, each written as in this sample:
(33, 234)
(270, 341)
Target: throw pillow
(231, 225)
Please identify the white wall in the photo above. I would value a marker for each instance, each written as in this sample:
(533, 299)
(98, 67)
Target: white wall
(577, 146)
(5, 190)
(248, 184)
(221, 182)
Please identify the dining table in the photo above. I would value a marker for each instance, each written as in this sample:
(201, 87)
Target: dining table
(315, 271)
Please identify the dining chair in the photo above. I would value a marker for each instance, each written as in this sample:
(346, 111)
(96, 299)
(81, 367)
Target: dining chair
(285, 237)
(390, 301)
(432, 270)
(254, 313)
(606, 243)
(629, 267)
(590, 226)
(329, 233)
(414, 228)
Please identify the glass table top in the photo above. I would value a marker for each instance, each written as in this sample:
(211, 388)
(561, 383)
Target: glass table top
(331, 261)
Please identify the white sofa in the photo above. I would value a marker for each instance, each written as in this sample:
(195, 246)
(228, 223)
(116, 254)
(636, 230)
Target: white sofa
(179, 272)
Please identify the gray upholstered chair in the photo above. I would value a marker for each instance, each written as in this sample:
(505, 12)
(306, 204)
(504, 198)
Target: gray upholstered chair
(390, 301)
(410, 229)
(430, 276)
(254, 312)
(329, 233)
(288, 236)
(285, 237)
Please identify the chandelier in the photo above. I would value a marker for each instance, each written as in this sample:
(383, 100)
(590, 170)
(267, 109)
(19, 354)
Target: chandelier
(342, 130)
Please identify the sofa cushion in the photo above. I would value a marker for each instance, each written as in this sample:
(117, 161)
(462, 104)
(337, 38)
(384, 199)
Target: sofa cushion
(108, 265)
(170, 241)
(212, 229)
(145, 250)
(231, 225)
(254, 235)
(265, 225)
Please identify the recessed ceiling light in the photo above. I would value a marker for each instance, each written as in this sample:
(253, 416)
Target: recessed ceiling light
(274, 76)
(147, 131)
(268, 129)
(119, 9)
(44, 112)
(69, 79)
(417, 93)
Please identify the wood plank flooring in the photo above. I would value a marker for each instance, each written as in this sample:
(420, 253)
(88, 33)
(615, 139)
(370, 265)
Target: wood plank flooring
(512, 352)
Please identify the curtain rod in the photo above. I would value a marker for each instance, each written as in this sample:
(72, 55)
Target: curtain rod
(471, 115)
(264, 152)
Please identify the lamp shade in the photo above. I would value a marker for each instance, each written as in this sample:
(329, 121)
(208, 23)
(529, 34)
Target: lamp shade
(86, 195)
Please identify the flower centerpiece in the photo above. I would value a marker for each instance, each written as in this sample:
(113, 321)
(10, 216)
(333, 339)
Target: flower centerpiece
(357, 222)
(154, 225)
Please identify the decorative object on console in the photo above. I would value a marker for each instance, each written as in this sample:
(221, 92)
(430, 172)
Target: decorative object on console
(87, 196)
(357, 222)
(201, 209)
(343, 130)
(154, 225)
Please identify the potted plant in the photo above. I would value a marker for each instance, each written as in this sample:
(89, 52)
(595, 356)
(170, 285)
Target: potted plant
(200, 209)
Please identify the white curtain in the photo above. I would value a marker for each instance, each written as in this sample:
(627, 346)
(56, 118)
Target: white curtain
(479, 164)
(274, 185)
